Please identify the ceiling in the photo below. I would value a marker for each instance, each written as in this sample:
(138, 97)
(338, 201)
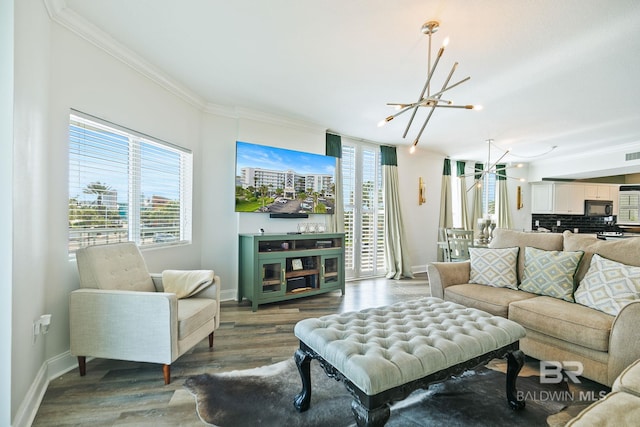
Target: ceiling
(547, 72)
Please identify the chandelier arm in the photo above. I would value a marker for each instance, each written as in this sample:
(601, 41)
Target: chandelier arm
(453, 85)
(404, 110)
(466, 107)
(424, 125)
(424, 89)
(494, 164)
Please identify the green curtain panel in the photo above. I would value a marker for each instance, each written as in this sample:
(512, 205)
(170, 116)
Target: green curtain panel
(334, 148)
(388, 156)
(396, 253)
(334, 145)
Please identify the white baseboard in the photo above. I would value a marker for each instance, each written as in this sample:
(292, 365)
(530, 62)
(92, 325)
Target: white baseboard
(228, 295)
(50, 369)
(419, 268)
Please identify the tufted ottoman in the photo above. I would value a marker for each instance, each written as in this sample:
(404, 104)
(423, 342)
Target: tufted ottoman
(383, 354)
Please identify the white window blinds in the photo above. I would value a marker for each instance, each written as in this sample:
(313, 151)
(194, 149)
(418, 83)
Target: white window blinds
(125, 186)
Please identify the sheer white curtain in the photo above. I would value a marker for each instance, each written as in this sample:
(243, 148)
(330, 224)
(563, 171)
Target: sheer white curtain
(446, 205)
(396, 253)
(477, 197)
(504, 213)
(462, 183)
(446, 216)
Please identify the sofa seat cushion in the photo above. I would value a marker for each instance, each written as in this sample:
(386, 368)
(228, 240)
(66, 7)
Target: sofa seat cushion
(564, 320)
(193, 313)
(629, 380)
(486, 298)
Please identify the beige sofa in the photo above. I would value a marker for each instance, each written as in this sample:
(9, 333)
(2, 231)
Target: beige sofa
(557, 330)
(621, 407)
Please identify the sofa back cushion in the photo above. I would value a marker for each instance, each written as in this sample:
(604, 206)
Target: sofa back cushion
(625, 251)
(550, 273)
(494, 267)
(503, 238)
(608, 285)
(118, 266)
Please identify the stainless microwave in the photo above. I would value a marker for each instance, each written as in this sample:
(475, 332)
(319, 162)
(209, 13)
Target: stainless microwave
(598, 207)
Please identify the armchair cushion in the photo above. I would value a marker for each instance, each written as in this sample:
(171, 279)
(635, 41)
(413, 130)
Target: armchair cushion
(186, 283)
(193, 313)
(114, 267)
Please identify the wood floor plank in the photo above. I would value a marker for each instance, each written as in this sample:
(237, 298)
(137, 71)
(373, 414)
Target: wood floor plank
(121, 393)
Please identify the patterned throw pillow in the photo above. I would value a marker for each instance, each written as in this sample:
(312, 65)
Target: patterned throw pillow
(550, 272)
(608, 285)
(494, 267)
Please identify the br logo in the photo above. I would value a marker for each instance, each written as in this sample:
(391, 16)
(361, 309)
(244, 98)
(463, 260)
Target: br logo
(551, 371)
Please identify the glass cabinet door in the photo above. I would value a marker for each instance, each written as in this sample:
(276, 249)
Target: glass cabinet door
(272, 278)
(331, 272)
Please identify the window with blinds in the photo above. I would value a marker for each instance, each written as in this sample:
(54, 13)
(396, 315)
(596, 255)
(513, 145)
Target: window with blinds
(363, 210)
(125, 186)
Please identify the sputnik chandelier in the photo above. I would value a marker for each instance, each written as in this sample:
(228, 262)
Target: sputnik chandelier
(491, 168)
(426, 98)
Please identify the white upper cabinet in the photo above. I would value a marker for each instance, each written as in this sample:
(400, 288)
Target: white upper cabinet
(542, 198)
(568, 199)
(597, 192)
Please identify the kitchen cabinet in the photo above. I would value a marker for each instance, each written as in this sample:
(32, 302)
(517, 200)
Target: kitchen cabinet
(597, 192)
(542, 198)
(568, 199)
(278, 267)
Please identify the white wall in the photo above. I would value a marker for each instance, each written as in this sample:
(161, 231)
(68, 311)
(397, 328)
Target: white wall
(420, 221)
(6, 214)
(31, 149)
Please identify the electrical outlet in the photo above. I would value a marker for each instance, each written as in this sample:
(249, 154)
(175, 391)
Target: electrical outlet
(41, 326)
(558, 223)
(537, 223)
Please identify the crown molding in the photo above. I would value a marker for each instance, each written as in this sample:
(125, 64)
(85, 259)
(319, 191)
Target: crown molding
(261, 116)
(61, 14)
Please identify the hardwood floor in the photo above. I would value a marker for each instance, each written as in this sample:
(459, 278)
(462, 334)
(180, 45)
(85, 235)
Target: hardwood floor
(118, 393)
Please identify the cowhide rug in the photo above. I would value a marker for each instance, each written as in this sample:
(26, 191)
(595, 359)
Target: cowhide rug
(264, 397)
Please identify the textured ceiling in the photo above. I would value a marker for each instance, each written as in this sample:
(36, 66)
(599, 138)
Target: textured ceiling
(547, 72)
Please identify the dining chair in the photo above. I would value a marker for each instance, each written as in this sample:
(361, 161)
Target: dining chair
(459, 241)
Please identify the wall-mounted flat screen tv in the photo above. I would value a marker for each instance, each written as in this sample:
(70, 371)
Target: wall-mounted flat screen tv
(280, 181)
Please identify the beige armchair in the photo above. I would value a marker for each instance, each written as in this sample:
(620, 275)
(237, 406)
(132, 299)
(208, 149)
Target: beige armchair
(122, 312)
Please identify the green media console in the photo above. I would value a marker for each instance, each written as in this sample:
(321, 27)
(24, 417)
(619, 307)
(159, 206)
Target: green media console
(278, 267)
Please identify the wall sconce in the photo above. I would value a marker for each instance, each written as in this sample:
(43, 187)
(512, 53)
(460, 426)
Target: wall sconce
(519, 204)
(422, 192)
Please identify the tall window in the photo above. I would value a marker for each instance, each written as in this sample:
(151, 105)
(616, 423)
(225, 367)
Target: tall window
(489, 194)
(363, 210)
(125, 186)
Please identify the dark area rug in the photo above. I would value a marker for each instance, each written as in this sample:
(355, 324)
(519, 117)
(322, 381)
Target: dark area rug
(264, 397)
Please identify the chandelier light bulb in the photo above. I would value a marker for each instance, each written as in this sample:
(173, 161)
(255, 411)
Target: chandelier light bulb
(477, 107)
(445, 43)
(412, 149)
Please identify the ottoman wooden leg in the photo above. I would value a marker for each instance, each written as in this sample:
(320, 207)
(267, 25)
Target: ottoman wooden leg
(376, 417)
(303, 400)
(515, 361)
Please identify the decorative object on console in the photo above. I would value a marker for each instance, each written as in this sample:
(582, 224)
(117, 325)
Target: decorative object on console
(426, 98)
